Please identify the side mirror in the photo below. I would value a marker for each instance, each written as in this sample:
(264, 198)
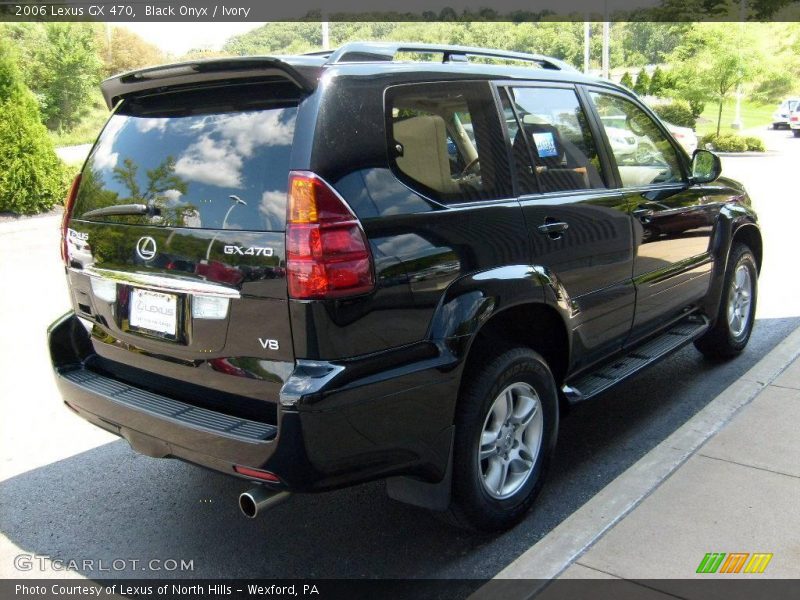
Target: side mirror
(706, 166)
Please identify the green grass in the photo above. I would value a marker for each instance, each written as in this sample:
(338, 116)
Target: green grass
(753, 116)
(85, 132)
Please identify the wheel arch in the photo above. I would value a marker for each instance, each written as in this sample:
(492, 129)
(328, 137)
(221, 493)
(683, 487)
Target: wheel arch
(523, 304)
(535, 325)
(750, 235)
(736, 223)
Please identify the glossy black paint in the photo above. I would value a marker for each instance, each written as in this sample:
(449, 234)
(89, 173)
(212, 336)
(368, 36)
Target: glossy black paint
(366, 387)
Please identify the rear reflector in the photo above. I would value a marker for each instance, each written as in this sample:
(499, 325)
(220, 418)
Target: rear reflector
(256, 473)
(69, 204)
(327, 255)
(209, 307)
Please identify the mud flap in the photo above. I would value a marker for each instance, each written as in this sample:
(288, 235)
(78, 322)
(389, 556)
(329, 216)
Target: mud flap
(433, 496)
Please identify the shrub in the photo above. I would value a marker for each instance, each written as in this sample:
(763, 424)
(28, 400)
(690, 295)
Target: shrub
(658, 82)
(697, 107)
(626, 80)
(754, 144)
(642, 85)
(32, 178)
(676, 112)
(725, 142)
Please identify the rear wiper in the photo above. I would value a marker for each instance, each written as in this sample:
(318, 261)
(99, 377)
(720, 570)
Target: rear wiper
(124, 209)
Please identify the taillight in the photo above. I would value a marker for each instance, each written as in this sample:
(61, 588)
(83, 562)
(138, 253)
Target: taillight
(68, 206)
(327, 255)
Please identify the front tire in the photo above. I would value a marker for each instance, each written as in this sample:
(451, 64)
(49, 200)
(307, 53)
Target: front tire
(737, 309)
(796, 132)
(506, 429)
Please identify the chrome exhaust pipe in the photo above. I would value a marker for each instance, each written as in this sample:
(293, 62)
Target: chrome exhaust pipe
(257, 500)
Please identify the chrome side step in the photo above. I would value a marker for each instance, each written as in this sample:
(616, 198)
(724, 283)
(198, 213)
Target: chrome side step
(635, 359)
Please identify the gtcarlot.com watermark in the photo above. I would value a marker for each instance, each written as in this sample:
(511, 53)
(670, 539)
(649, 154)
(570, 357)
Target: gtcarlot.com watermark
(40, 562)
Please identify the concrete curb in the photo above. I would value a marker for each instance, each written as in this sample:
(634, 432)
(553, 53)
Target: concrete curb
(765, 154)
(549, 557)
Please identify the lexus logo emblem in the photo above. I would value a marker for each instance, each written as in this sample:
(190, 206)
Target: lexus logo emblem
(146, 248)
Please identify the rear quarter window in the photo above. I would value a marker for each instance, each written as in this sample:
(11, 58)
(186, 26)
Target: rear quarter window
(445, 141)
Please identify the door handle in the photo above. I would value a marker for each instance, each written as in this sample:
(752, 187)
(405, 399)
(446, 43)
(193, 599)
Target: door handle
(553, 228)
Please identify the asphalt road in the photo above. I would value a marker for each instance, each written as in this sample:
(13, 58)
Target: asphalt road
(72, 492)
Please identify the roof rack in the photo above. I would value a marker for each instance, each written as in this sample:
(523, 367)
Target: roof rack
(386, 51)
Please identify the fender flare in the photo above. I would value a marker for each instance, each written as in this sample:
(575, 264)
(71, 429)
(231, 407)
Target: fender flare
(733, 219)
(473, 300)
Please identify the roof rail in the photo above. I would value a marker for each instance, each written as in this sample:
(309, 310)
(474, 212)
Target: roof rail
(386, 51)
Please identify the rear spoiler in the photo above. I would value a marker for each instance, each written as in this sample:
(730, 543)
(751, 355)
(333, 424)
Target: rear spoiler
(153, 78)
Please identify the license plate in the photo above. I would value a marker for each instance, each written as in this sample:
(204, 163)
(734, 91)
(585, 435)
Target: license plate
(154, 311)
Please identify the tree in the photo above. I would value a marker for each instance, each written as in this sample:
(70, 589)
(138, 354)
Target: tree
(657, 82)
(562, 40)
(32, 178)
(159, 180)
(61, 66)
(125, 51)
(274, 38)
(627, 80)
(645, 43)
(713, 60)
(642, 85)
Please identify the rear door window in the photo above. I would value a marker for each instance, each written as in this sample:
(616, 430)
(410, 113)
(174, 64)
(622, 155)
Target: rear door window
(551, 143)
(218, 166)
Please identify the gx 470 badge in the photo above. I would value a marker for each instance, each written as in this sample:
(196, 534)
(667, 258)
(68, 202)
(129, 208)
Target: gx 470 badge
(249, 251)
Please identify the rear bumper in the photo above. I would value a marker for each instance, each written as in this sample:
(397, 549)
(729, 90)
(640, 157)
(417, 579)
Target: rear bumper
(352, 429)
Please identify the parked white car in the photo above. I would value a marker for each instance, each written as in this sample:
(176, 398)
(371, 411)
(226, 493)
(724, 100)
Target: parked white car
(781, 117)
(685, 136)
(794, 120)
(623, 142)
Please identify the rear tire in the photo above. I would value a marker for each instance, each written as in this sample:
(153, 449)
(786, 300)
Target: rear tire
(506, 429)
(737, 309)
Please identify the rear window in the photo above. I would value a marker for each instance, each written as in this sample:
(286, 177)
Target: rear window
(222, 166)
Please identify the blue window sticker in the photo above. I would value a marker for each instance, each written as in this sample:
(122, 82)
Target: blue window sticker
(545, 144)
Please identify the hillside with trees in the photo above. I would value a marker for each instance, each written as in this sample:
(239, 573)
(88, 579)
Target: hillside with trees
(693, 70)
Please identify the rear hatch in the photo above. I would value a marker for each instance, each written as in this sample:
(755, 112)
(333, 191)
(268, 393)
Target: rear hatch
(176, 246)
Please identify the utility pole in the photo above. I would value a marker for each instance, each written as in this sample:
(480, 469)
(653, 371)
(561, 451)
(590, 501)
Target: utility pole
(108, 42)
(737, 119)
(326, 38)
(587, 34)
(606, 29)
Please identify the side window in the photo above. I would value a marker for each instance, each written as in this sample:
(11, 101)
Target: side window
(643, 153)
(552, 146)
(445, 141)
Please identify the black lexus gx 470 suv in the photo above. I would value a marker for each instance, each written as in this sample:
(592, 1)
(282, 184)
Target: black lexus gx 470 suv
(395, 261)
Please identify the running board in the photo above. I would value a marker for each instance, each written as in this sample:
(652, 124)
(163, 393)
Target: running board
(635, 359)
